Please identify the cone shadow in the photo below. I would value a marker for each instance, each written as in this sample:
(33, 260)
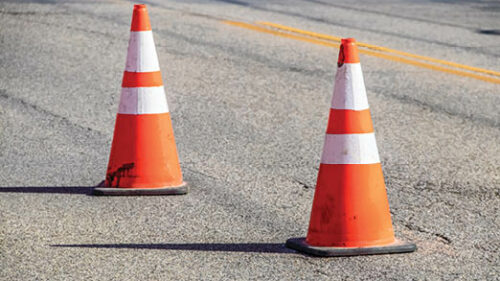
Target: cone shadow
(277, 248)
(87, 190)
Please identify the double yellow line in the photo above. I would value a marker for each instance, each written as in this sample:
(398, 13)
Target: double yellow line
(373, 50)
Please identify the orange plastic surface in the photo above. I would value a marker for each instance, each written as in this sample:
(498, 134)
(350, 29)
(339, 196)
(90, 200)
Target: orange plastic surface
(143, 153)
(141, 79)
(348, 52)
(140, 19)
(345, 121)
(350, 207)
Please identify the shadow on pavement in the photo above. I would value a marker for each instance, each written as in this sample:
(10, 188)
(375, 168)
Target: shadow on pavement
(489, 31)
(214, 247)
(49, 189)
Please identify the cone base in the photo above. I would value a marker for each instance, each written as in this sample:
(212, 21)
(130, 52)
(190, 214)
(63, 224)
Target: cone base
(299, 244)
(119, 191)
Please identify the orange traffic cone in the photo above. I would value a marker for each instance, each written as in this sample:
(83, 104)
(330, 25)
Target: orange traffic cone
(350, 213)
(143, 158)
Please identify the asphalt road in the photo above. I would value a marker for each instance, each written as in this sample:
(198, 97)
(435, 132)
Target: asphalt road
(249, 112)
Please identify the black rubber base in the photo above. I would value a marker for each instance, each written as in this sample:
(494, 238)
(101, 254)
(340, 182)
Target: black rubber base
(119, 191)
(300, 245)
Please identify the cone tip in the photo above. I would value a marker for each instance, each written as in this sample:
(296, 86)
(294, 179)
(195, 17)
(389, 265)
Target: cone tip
(348, 52)
(348, 40)
(140, 18)
(139, 6)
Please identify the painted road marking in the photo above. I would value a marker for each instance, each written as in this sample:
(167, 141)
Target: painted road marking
(379, 48)
(373, 50)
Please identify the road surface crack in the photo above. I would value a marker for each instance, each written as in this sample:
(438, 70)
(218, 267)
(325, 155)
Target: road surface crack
(304, 185)
(8, 98)
(444, 238)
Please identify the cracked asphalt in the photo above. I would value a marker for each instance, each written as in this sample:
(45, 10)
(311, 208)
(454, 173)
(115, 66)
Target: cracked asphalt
(249, 112)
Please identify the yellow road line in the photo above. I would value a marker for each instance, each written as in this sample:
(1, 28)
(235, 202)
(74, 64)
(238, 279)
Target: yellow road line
(379, 48)
(278, 33)
(368, 52)
(432, 66)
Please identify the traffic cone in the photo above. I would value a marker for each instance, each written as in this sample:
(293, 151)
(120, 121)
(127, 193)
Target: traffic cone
(350, 213)
(143, 159)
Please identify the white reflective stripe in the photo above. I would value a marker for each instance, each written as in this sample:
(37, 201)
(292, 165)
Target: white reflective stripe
(147, 100)
(141, 56)
(350, 149)
(349, 91)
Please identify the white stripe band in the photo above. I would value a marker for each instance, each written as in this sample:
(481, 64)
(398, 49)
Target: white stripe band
(146, 100)
(141, 56)
(349, 91)
(350, 149)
